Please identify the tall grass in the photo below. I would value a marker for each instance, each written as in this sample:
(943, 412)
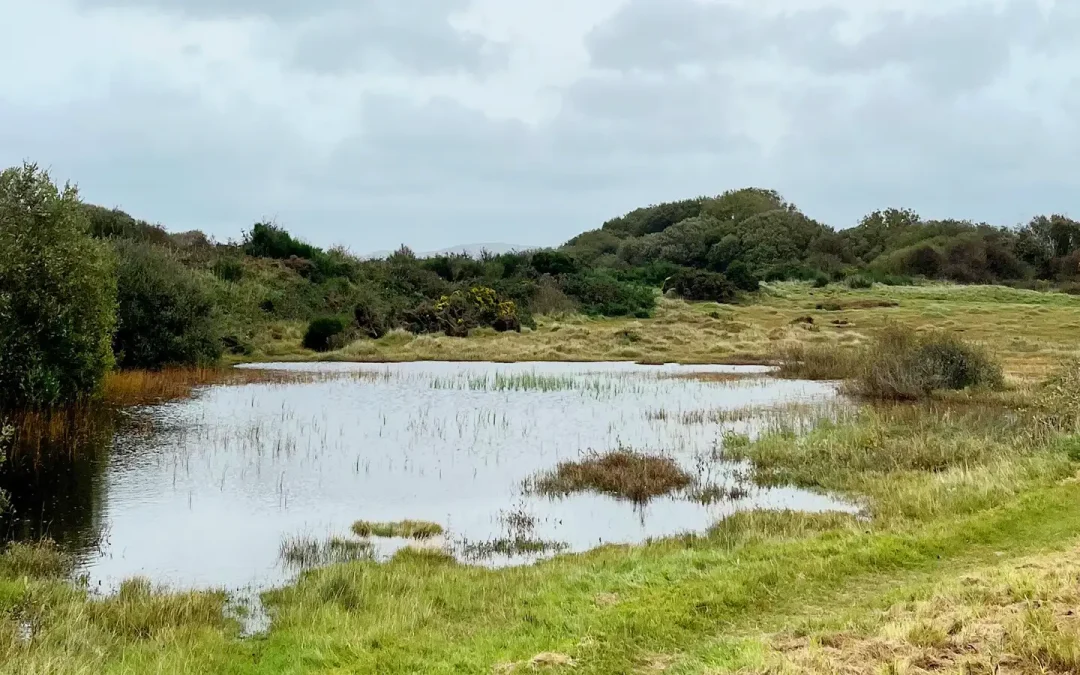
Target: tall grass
(406, 529)
(903, 365)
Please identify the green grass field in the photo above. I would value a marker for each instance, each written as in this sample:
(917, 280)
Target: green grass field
(964, 559)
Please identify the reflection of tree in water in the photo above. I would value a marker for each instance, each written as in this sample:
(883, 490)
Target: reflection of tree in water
(55, 477)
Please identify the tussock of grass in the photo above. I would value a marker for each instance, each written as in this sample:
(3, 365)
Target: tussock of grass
(405, 529)
(623, 473)
(139, 612)
(903, 365)
(41, 560)
(816, 362)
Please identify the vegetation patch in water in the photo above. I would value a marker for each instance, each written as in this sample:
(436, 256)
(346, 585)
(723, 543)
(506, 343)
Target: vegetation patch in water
(622, 473)
(405, 529)
(305, 553)
(508, 547)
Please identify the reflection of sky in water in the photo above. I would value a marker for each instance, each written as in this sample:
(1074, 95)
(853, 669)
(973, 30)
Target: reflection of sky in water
(208, 500)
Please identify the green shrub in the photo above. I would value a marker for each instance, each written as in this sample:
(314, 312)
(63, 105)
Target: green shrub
(266, 240)
(461, 311)
(701, 285)
(554, 263)
(57, 294)
(324, 334)
(739, 274)
(821, 281)
(166, 314)
(372, 315)
(903, 365)
(858, 281)
(229, 269)
(600, 292)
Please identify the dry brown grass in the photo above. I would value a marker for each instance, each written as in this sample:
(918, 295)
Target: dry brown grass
(1020, 618)
(147, 387)
(622, 473)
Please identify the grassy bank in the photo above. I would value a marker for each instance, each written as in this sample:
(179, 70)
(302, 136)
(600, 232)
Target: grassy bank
(1029, 331)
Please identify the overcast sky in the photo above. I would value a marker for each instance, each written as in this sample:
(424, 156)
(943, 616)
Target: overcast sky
(370, 123)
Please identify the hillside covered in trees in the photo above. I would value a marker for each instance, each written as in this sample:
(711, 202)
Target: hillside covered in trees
(146, 298)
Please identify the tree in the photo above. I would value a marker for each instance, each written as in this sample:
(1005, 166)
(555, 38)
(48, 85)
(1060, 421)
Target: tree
(165, 314)
(57, 294)
(735, 206)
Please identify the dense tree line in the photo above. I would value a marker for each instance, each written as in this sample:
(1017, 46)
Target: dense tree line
(756, 231)
(85, 288)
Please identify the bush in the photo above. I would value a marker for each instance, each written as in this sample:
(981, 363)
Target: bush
(324, 334)
(701, 285)
(461, 311)
(859, 281)
(229, 269)
(57, 294)
(165, 313)
(373, 315)
(550, 299)
(554, 263)
(600, 293)
(902, 365)
(821, 280)
(739, 274)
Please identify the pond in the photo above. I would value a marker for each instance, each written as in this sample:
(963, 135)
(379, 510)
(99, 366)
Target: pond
(202, 492)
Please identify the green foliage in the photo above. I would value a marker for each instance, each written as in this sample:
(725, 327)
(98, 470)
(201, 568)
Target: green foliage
(105, 223)
(229, 268)
(57, 294)
(461, 311)
(701, 285)
(600, 292)
(739, 274)
(166, 314)
(858, 281)
(735, 206)
(373, 314)
(323, 334)
(652, 219)
(554, 263)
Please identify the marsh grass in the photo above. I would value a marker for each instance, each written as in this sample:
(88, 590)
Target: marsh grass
(801, 361)
(623, 473)
(507, 547)
(404, 529)
(304, 553)
(41, 560)
(904, 365)
(129, 388)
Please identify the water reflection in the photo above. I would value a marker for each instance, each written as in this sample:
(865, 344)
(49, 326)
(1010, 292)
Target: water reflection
(202, 492)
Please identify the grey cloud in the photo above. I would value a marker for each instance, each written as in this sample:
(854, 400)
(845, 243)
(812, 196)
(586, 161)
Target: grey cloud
(965, 48)
(415, 36)
(952, 52)
(664, 34)
(335, 36)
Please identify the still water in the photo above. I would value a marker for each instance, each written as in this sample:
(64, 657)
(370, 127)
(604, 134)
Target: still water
(201, 492)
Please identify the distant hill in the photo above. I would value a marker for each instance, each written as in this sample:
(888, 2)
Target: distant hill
(473, 250)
